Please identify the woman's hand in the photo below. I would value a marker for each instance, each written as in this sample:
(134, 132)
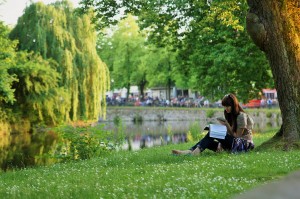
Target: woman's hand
(239, 132)
(225, 123)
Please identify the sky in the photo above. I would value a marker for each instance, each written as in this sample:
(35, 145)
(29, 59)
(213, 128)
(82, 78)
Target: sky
(11, 10)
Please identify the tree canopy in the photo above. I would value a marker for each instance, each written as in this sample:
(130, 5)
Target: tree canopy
(133, 61)
(29, 84)
(7, 56)
(215, 53)
(57, 32)
(127, 49)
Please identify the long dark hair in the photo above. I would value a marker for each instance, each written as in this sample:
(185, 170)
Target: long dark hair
(231, 100)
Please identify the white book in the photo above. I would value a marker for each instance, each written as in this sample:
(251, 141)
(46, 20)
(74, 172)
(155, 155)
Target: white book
(217, 131)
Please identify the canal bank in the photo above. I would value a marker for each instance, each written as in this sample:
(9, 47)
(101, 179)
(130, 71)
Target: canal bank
(184, 114)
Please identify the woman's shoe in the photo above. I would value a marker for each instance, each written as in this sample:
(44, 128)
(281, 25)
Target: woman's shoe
(196, 151)
(220, 148)
(179, 152)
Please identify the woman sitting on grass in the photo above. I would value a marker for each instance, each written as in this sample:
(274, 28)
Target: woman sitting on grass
(238, 124)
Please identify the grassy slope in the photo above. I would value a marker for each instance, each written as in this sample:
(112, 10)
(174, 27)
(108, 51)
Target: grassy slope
(152, 173)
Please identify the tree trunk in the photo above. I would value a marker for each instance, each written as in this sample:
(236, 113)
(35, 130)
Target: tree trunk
(142, 87)
(128, 91)
(168, 94)
(274, 27)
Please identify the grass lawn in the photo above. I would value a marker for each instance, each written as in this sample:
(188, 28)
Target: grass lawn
(152, 173)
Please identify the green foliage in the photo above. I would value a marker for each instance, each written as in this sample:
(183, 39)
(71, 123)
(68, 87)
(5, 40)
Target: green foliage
(80, 143)
(134, 62)
(269, 114)
(161, 63)
(224, 59)
(56, 32)
(195, 132)
(106, 11)
(210, 113)
(117, 120)
(215, 53)
(138, 119)
(170, 132)
(7, 58)
(122, 52)
(28, 85)
(37, 91)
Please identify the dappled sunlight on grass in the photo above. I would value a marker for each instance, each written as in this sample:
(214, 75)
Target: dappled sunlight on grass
(259, 138)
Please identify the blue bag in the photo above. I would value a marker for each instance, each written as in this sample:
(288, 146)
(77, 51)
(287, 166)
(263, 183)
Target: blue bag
(239, 145)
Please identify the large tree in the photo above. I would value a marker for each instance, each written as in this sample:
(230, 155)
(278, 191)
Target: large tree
(37, 92)
(215, 54)
(161, 70)
(28, 85)
(122, 51)
(56, 32)
(219, 56)
(274, 27)
(7, 57)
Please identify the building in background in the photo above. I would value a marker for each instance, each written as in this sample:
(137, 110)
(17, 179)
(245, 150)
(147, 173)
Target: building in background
(269, 93)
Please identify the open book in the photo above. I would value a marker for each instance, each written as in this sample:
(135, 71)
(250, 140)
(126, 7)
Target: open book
(217, 131)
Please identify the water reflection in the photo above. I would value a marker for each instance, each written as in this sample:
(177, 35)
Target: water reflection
(20, 150)
(153, 133)
(144, 141)
(24, 149)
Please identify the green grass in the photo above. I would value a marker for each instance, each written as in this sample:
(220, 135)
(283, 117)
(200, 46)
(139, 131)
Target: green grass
(152, 173)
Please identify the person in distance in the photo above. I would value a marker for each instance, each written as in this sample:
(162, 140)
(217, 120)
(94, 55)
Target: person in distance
(238, 123)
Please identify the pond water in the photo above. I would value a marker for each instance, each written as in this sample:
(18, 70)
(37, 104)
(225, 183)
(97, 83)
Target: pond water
(149, 134)
(24, 150)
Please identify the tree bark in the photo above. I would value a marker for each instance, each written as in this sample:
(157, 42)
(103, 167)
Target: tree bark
(274, 27)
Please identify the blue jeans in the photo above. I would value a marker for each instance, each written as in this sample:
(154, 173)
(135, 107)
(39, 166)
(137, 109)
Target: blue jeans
(212, 143)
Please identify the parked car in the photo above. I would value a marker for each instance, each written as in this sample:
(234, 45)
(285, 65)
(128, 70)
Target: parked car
(255, 103)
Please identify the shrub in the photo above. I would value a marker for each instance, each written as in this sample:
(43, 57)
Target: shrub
(80, 143)
(137, 119)
(210, 113)
(170, 132)
(269, 115)
(194, 133)
(117, 120)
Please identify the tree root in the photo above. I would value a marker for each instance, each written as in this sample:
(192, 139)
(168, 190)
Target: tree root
(277, 142)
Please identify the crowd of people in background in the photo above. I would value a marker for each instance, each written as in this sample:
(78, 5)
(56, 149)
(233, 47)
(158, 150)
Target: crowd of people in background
(182, 101)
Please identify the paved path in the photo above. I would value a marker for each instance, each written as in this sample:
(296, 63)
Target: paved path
(286, 188)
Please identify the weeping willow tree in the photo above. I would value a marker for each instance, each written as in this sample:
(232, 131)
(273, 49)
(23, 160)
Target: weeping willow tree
(56, 32)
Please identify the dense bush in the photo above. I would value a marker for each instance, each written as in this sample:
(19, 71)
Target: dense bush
(80, 143)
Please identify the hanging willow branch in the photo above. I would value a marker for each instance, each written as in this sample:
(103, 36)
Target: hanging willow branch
(56, 32)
